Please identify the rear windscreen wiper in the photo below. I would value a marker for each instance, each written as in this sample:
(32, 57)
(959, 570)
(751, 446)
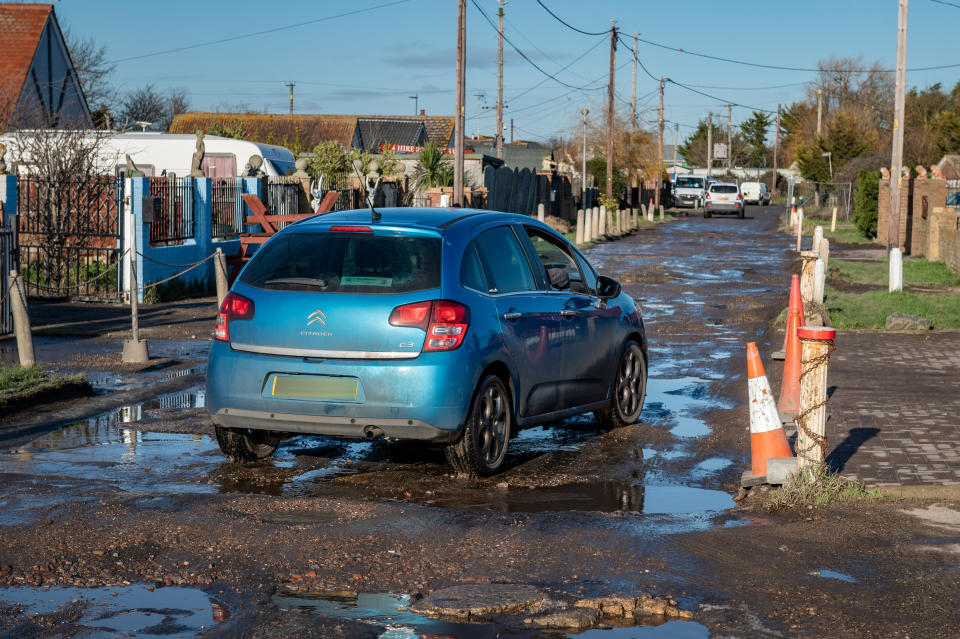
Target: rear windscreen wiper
(300, 281)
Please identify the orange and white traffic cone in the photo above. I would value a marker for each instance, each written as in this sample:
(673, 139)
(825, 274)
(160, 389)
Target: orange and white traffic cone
(796, 301)
(767, 439)
(789, 403)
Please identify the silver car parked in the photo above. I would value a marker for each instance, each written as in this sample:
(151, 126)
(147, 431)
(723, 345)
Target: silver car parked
(723, 197)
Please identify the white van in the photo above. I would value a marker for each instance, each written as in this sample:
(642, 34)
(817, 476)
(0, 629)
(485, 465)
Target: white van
(755, 193)
(164, 153)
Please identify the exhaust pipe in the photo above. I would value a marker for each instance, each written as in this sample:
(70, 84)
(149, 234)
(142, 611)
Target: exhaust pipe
(372, 432)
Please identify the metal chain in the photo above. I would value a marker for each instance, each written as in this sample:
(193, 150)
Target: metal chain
(150, 259)
(173, 277)
(800, 421)
(78, 285)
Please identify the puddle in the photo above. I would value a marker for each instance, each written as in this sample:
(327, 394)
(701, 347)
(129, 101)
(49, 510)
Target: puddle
(709, 467)
(381, 610)
(390, 612)
(669, 630)
(174, 613)
(833, 574)
(673, 400)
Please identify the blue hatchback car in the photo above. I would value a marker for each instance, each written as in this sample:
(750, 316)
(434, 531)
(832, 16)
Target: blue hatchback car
(454, 326)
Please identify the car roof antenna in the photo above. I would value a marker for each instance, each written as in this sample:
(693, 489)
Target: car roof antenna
(373, 171)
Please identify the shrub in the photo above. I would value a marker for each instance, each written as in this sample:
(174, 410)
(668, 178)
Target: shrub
(866, 199)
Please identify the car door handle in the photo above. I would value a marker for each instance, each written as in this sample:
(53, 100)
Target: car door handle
(512, 316)
(568, 313)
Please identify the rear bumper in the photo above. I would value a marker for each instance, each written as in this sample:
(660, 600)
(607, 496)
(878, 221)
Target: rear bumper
(426, 398)
(725, 207)
(355, 427)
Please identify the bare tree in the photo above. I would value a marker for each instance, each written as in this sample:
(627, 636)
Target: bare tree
(93, 70)
(146, 104)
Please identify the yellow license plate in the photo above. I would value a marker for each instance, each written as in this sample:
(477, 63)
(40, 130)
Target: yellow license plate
(722, 197)
(313, 387)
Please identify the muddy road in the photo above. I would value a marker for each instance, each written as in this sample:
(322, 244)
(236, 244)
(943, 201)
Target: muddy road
(132, 522)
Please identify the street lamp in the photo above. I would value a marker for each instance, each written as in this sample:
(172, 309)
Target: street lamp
(829, 156)
(583, 197)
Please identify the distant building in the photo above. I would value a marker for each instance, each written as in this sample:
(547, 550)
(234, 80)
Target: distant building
(950, 167)
(38, 83)
(300, 133)
(516, 155)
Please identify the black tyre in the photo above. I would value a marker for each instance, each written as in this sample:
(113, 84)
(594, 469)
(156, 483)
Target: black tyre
(740, 215)
(482, 447)
(629, 389)
(244, 444)
(706, 213)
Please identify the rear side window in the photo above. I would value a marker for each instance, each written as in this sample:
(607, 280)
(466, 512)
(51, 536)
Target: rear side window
(723, 188)
(346, 263)
(504, 262)
(471, 272)
(690, 183)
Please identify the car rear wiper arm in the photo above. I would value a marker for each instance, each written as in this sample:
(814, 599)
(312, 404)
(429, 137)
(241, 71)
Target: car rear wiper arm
(302, 281)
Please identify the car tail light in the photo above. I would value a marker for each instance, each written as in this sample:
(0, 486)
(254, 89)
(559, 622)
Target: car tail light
(739, 196)
(234, 307)
(708, 195)
(444, 321)
(351, 229)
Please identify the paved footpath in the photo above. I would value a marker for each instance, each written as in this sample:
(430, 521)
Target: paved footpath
(895, 410)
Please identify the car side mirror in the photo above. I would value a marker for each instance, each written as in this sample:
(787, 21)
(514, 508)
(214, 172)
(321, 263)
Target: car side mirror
(607, 287)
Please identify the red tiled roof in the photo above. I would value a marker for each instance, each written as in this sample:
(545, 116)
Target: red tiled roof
(21, 26)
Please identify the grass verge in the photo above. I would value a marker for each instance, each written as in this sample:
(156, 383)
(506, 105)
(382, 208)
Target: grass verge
(818, 487)
(870, 309)
(21, 385)
(845, 233)
(916, 272)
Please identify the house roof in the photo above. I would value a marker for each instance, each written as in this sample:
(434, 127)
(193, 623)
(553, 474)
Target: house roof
(376, 131)
(302, 132)
(21, 26)
(950, 165)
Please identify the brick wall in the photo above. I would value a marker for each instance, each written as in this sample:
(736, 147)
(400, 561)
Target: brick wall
(883, 210)
(950, 249)
(928, 194)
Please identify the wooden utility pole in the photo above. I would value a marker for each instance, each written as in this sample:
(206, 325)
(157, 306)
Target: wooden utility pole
(776, 149)
(499, 138)
(896, 171)
(461, 98)
(633, 99)
(291, 85)
(613, 57)
(659, 149)
(511, 130)
(709, 143)
(819, 111)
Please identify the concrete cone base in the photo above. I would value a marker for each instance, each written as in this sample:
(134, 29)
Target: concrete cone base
(748, 479)
(779, 355)
(135, 352)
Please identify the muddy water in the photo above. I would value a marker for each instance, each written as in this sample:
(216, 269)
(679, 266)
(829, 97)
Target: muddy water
(678, 299)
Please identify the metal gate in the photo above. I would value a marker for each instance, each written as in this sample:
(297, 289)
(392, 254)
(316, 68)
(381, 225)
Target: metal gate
(7, 264)
(70, 236)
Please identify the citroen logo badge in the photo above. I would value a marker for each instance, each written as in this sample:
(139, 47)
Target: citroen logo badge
(317, 316)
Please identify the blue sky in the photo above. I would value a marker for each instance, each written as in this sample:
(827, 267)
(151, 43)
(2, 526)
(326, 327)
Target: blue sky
(373, 60)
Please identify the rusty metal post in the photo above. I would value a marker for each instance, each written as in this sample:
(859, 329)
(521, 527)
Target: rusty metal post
(220, 272)
(817, 343)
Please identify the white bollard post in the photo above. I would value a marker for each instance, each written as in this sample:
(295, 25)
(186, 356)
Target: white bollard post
(540, 215)
(809, 259)
(817, 237)
(825, 253)
(643, 211)
(819, 281)
(588, 225)
(21, 319)
(799, 229)
(595, 233)
(579, 227)
(603, 220)
(661, 213)
(896, 270)
(833, 221)
(220, 272)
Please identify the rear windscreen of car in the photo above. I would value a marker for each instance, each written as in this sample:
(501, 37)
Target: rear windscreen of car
(690, 183)
(723, 188)
(346, 263)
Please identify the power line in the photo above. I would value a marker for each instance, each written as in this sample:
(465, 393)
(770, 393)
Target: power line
(577, 59)
(949, 4)
(570, 26)
(713, 97)
(522, 54)
(786, 68)
(257, 33)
